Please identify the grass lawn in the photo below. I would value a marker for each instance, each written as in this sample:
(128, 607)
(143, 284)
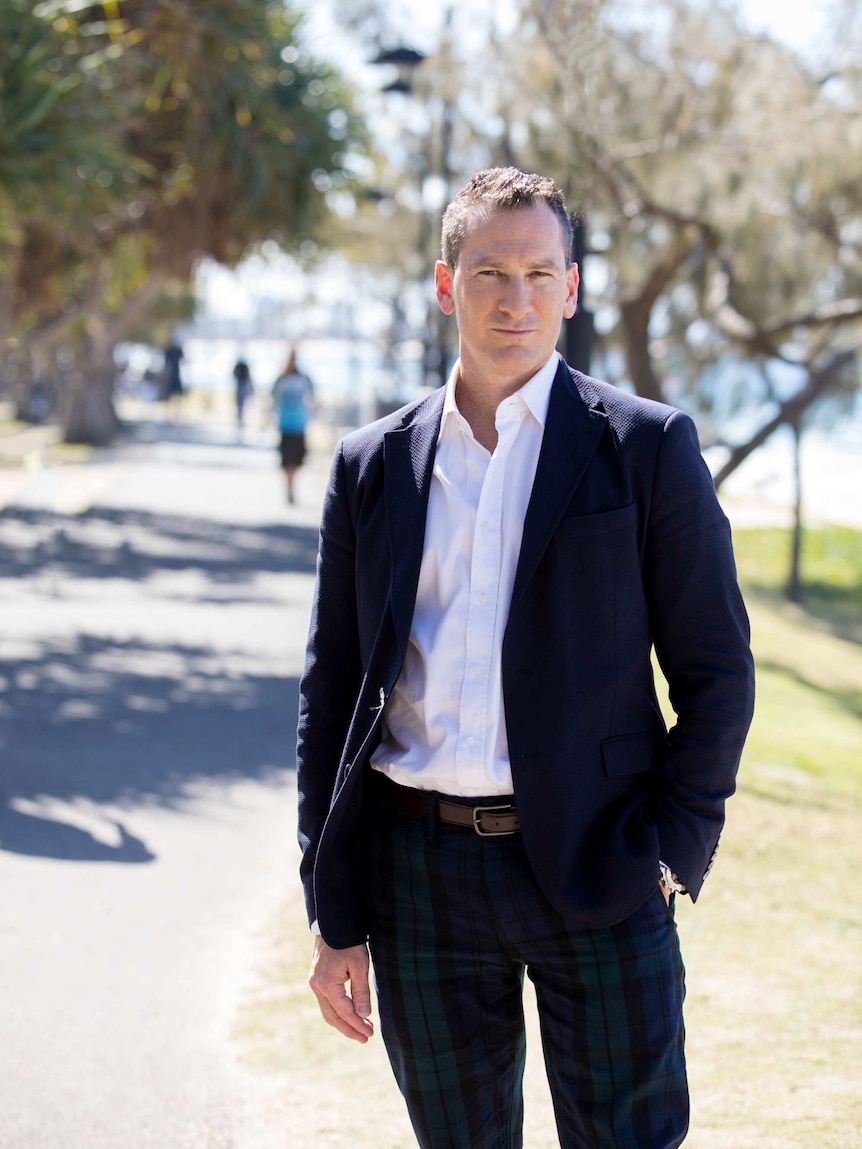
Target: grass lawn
(773, 948)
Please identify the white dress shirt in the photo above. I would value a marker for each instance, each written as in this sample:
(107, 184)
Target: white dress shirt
(444, 727)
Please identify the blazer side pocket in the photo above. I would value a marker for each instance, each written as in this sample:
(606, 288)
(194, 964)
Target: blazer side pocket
(629, 754)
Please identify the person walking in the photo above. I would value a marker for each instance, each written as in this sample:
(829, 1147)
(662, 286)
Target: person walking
(487, 787)
(292, 397)
(243, 391)
(172, 379)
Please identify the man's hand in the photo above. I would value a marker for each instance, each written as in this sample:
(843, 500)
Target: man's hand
(665, 893)
(331, 970)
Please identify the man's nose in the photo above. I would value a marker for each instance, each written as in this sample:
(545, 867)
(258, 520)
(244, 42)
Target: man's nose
(516, 298)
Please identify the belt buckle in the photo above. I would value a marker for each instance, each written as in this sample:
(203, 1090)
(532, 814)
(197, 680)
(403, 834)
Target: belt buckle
(478, 811)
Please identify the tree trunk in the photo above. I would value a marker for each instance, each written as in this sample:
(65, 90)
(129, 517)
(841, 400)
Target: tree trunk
(11, 242)
(635, 315)
(86, 408)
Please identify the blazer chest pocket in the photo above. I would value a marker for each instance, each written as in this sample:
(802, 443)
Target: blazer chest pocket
(603, 523)
(629, 754)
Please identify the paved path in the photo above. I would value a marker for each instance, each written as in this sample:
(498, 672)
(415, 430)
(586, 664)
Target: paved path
(155, 605)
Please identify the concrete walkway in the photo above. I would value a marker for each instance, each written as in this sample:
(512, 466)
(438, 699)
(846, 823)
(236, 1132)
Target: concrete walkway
(156, 600)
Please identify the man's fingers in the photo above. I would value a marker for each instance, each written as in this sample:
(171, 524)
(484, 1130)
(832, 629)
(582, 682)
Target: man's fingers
(331, 971)
(340, 1014)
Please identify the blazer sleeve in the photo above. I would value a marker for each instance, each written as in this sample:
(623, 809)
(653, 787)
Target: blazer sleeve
(701, 639)
(332, 675)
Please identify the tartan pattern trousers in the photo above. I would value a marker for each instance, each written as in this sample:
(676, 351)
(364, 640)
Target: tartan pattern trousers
(455, 921)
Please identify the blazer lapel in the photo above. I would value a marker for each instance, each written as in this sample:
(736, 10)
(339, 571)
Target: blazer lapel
(573, 428)
(408, 462)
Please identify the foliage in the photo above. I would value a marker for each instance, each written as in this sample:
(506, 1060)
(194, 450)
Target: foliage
(717, 171)
(143, 135)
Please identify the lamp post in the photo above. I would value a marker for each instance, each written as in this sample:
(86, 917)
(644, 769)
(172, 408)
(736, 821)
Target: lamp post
(406, 60)
(579, 329)
(435, 163)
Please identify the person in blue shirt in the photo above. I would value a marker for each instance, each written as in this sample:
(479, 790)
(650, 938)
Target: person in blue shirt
(292, 397)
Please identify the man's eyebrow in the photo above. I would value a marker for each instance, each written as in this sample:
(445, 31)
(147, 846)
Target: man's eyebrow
(483, 260)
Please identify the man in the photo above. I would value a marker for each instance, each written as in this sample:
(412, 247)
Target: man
(486, 784)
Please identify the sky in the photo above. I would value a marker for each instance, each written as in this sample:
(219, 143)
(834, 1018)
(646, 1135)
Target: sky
(796, 22)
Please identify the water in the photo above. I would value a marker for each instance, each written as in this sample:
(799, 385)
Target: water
(831, 468)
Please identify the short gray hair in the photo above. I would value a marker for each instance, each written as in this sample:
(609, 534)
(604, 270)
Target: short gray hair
(508, 189)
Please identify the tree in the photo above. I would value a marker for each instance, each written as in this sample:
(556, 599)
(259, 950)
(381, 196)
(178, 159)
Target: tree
(51, 124)
(721, 170)
(215, 130)
(719, 174)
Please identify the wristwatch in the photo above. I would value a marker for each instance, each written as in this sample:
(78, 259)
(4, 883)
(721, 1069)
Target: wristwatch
(668, 880)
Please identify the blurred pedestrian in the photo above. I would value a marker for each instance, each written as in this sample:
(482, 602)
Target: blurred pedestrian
(487, 787)
(293, 401)
(172, 381)
(244, 391)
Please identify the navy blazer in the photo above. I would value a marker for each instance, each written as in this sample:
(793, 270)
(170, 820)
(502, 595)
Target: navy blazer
(625, 550)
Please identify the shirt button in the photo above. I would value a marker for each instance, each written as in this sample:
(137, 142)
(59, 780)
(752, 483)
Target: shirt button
(486, 526)
(471, 741)
(475, 671)
(481, 597)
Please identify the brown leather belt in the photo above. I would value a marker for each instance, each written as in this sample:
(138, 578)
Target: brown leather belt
(488, 820)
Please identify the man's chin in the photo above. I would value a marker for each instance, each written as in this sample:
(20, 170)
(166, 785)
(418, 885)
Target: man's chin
(521, 359)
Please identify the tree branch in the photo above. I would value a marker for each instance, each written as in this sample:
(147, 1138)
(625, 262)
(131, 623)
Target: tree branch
(789, 412)
(635, 315)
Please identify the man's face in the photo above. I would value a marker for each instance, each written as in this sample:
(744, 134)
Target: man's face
(509, 292)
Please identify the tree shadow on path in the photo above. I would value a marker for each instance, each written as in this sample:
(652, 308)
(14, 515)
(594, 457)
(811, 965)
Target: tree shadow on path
(128, 724)
(119, 722)
(107, 543)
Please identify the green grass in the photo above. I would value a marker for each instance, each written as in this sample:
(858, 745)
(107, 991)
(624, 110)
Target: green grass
(809, 659)
(773, 948)
(831, 568)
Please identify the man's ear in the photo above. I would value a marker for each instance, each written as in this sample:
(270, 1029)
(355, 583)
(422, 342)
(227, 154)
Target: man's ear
(572, 280)
(443, 275)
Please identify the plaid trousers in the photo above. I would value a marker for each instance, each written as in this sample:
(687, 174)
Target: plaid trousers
(455, 921)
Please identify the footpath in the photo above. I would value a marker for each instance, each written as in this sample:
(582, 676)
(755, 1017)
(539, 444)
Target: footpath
(156, 600)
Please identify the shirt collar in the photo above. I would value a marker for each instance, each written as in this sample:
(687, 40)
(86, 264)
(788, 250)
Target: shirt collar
(535, 393)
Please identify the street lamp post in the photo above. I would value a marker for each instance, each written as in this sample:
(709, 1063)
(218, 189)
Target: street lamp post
(436, 164)
(579, 329)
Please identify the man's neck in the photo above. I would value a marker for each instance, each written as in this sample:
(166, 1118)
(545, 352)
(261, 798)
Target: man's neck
(480, 411)
(478, 399)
